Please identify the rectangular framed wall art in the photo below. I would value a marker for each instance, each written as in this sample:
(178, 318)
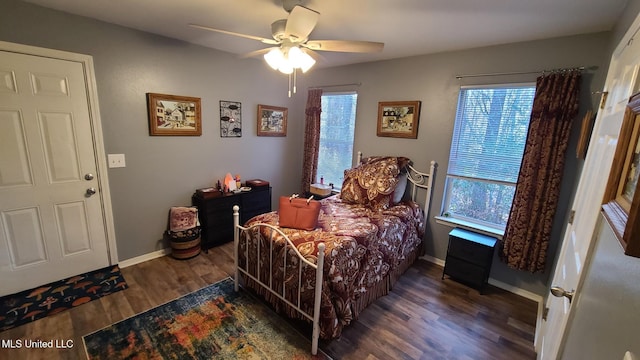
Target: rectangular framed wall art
(174, 115)
(230, 119)
(621, 205)
(398, 119)
(272, 120)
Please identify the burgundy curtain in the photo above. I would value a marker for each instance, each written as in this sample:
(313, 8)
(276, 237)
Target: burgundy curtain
(311, 138)
(528, 229)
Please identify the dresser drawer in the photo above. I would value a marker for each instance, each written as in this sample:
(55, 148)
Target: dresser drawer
(465, 272)
(470, 251)
(216, 213)
(255, 202)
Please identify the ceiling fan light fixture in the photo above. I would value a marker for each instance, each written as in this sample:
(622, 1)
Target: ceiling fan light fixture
(300, 60)
(286, 67)
(274, 58)
(307, 62)
(286, 60)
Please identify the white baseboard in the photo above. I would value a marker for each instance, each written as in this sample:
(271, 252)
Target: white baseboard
(432, 259)
(145, 257)
(516, 290)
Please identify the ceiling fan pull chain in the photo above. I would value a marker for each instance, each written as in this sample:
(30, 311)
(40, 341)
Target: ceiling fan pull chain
(289, 82)
(295, 78)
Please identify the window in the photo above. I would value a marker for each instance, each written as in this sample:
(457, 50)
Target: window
(337, 125)
(486, 151)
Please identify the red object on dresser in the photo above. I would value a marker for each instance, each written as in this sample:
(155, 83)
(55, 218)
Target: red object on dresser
(257, 183)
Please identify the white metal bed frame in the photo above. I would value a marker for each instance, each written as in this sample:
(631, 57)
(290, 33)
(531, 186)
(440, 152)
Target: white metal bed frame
(417, 178)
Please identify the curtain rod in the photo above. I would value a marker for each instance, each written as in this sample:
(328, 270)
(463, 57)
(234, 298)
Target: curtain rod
(330, 86)
(581, 68)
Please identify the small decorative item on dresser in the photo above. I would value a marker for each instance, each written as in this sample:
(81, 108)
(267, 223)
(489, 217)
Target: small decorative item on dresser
(209, 192)
(257, 183)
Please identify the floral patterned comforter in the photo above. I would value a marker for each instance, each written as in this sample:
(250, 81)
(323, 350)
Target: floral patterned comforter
(363, 248)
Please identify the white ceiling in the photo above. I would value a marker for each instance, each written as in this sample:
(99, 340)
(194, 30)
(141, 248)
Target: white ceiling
(407, 27)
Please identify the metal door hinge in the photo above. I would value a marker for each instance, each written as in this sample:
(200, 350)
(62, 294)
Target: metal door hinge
(603, 99)
(545, 313)
(572, 215)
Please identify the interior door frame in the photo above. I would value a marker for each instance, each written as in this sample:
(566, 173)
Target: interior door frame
(96, 130)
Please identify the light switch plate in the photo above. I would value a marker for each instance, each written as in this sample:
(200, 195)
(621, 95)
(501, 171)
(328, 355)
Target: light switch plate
(116, 160)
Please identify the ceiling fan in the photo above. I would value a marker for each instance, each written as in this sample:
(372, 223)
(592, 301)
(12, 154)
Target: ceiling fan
(293, 49)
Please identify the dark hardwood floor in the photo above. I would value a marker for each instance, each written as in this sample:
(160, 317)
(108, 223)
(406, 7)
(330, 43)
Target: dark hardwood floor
(424, 317)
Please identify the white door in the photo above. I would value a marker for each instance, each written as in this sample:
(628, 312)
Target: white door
(580, 234)
(52, 222)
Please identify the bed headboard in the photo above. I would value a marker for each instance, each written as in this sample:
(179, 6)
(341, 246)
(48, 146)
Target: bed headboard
(418, 180)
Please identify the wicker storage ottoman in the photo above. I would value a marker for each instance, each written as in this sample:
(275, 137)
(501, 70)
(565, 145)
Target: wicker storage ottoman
(184, 244)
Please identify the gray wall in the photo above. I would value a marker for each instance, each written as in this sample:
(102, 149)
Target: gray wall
(163, 171)
(629, 14)
(431, 79)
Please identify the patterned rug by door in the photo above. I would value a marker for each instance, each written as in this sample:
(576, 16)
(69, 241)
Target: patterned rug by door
(34, 304)
(214, 322)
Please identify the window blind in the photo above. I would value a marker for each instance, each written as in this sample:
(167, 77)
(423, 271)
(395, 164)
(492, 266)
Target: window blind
(490, 132)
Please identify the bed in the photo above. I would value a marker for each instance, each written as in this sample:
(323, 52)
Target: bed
(367, 236)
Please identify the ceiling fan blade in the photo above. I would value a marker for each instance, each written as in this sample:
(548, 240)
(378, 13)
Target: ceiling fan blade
(301, 22)
(255, 53)
(264, 40)
(345, 46)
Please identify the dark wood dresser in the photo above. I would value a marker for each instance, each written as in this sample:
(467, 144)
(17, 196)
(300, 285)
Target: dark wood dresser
(469, 257)
(216, 213)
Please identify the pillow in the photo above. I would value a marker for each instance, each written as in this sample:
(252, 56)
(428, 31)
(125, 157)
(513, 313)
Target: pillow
(183, 218)
(373, 182)
(398, 192)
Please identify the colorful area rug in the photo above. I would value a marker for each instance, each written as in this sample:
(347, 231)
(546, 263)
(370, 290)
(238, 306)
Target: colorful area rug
(214, 322)
(34, 304)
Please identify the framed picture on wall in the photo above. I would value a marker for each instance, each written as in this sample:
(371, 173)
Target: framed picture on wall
(398, 119)
(272, 120)
(174, 115)
(621, 205)
(230, 119)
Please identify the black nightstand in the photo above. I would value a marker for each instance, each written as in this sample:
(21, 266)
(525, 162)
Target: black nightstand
(469, 257)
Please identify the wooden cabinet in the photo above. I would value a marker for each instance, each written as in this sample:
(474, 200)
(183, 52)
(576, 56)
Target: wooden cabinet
(216, 213)
(469, 257)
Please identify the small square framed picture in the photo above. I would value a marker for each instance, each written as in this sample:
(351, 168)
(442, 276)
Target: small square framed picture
(272, 120)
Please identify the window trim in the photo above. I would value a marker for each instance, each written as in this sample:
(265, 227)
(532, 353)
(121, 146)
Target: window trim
(338, 187)
(455, 222)
(461, 221)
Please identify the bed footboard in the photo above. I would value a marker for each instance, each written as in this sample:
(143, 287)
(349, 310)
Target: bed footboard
(318, 267)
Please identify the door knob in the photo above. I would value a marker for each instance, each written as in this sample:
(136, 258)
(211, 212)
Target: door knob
(557, 291)
(88, 177)
(90, 191)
